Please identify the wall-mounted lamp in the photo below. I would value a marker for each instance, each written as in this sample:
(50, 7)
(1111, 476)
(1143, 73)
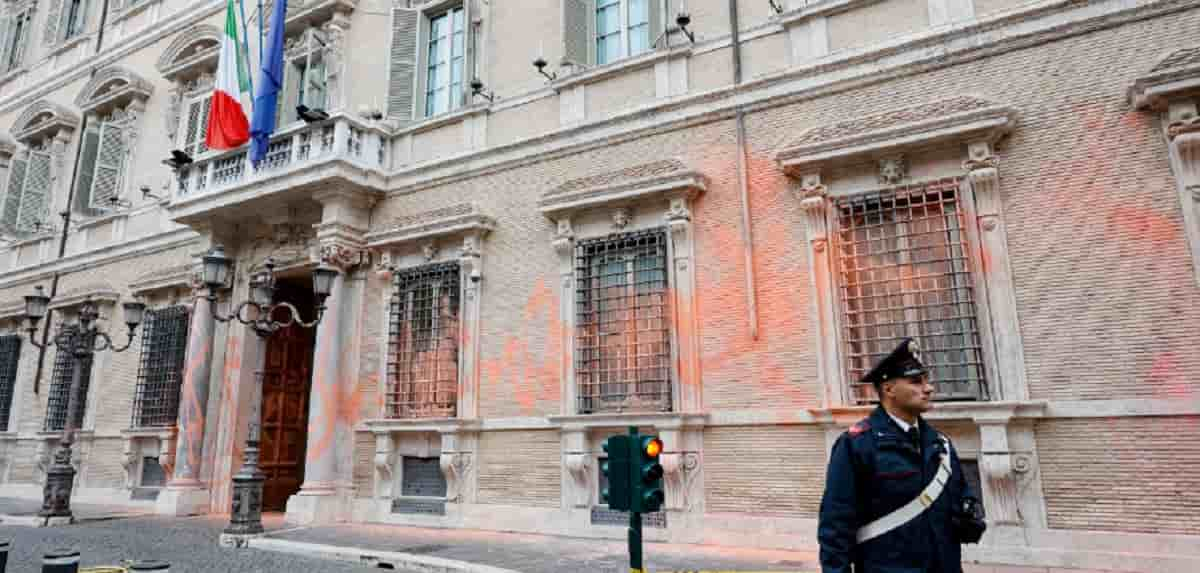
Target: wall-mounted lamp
(682, 20)
(477, 90)
(540, 64)
(775, 6)
(115, 202)
(146, 194)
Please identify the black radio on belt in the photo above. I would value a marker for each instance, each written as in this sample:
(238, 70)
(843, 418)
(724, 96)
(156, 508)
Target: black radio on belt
(968, 522)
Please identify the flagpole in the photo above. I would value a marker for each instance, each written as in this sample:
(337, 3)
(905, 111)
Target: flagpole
(261, 38)
(246, 48)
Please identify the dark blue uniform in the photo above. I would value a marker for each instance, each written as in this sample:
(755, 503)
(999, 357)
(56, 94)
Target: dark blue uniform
(875, 469)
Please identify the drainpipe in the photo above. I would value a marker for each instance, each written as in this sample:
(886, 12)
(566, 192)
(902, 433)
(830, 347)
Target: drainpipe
(743, 175)
(66, 213)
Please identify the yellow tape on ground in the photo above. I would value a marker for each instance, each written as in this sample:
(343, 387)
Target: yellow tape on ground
(104, 569)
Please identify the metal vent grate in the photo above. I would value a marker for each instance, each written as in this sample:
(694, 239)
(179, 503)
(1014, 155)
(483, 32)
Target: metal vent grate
(905, 272)
(423, 343)
(60, 387)
(160, 375)
(622, 338)
(10, 358)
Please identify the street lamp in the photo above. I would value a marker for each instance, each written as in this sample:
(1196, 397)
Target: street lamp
(81, 343)
(246, 512)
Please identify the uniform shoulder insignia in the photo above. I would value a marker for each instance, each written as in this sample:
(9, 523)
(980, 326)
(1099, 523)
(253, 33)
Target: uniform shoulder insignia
(859, 428)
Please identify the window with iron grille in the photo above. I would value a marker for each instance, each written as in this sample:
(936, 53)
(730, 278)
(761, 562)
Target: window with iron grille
(622, 331)
(905, 272)
(160, 375)
(60, 387)
(423, 343)
(10, 357)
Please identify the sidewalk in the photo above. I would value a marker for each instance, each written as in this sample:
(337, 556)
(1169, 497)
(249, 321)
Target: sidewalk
(463, 550)
(23, 511)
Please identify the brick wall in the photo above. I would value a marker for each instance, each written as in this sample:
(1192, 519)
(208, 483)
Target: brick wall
(786, 479)
(364, 464)
(1121, 474)
(103, 464)
(24, 462)
(520, 468)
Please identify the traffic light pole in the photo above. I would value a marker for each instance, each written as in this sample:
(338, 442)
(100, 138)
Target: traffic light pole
(635, 542)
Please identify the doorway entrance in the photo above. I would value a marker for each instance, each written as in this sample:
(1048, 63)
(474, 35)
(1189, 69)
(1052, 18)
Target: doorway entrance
(286, 380)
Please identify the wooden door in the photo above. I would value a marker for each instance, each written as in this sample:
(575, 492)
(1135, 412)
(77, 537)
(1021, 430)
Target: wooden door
(287, 375)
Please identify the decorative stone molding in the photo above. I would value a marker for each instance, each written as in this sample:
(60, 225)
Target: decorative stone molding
(191, 52)
(662, 191)
(885, 138)
(464, 218)
(114, 87)
(43, 121)
(136, 442)
(458, 441)
(579, 466)
(184, 276)
(385, 460)
(100, 293)
(680, 470)
(960, 118)
(455, 466)
(1172, 90)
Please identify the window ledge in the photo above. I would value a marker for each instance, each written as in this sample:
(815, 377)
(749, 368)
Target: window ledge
(665, 179)
(977, 412)
(8, 436)
(99, 293)
(440, 425)
(66, 45)
(612, 419)
(958, 118)
(130, 11)
(436, 223)
(12, 74)
(821, 9)
(457, 116)
(620, 67)
(180, 276)
(57, 435)
(160, 433)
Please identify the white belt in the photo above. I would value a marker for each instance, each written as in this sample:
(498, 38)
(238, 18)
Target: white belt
(913, 508)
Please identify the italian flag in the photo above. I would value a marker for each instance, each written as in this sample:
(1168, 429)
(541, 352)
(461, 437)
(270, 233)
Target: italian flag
(227, 123)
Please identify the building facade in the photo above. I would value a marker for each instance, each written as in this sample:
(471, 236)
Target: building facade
(707, 231)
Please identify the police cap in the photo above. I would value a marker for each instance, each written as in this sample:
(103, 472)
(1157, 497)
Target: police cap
(903, 362)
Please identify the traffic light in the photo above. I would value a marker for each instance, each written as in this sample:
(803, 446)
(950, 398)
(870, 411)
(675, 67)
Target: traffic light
(647, 487)
(618, 471)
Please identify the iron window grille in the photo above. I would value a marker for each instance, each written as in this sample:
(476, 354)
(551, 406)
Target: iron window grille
(10, 357)
(622, 333)
(60, 388)
(905, 271)
(423, 343)
(160, 374)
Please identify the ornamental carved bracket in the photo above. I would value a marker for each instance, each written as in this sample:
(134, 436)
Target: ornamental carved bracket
(456, 466)
(385, 460)
(680, 473)
(579, 465)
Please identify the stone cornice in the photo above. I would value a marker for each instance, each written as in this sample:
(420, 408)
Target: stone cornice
(439, 425)
(438, 223)
(619, 190)
(977, 120)
(1176, 75)
(621, 420)
(104, 255)
(623, 66)
(796, 16)
(12, 309)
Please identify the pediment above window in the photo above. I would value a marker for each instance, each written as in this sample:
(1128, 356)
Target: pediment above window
(42, 121)
(665, 179)
(963, 118)
(113, 88)
(100, 294)
(192, 53)
(438, 223)
(1175, 76)
(177, 277)
(8, 146)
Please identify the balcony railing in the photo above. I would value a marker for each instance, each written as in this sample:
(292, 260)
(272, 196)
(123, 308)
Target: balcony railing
(340, 138)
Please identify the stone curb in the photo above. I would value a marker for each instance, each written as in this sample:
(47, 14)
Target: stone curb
(36, 521)
(372, 558)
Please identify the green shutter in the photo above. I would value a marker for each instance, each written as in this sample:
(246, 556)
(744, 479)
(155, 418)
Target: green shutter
(36, 196)
(109, 161)
(87, 165)
(403, 64)
(12, 198)
(578, 23)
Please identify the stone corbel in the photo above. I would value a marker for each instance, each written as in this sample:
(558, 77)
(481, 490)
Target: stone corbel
(998, 466)
(385, 461)
(166, 451)
(43, 456)
(679, 474)
(579, 465)
(1183, 131)
(343, 256)
(456, 467)
(129, 462)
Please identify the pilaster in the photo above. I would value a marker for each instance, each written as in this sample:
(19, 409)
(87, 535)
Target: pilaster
(564, 247)
(815, 205)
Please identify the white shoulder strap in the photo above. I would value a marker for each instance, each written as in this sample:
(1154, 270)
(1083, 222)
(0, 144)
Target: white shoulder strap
(913, 508)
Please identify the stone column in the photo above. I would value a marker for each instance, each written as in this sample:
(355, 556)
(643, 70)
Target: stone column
(184, 494)
(317, 500)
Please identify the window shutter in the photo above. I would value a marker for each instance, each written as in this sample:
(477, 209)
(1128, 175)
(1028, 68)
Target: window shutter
(52, 21)
(657, 9)
(12, 199)
(34, 201)
(107, 182)
(87, 165)
(197, 126)
(6, 30)
(291, 92)
(468, 63)
(578, 17)
(402, 71)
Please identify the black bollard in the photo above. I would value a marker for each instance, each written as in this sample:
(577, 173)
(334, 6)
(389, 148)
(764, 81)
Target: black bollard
(3, 556)
(142, 566)
(61, 561)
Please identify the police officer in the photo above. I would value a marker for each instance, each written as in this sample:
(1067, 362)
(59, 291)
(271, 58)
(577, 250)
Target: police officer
(895, 497)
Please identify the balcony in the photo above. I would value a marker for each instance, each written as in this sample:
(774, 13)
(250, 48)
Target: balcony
(341, 152)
